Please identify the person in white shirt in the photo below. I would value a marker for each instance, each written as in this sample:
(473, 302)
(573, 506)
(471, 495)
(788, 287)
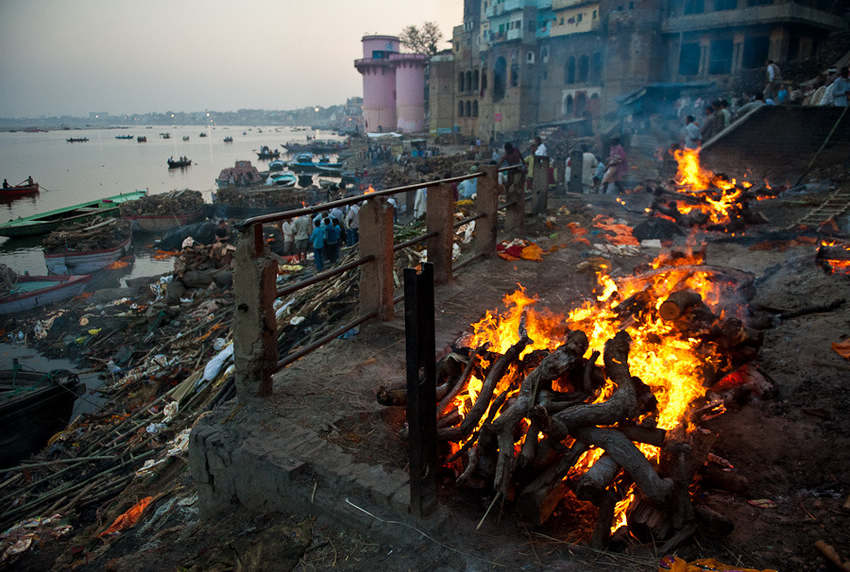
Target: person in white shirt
(420, 203)
(302, 236)
(841, 88)
(774, 75)
(539, 148)
(692, 135)
(352, 225)
(288, 230)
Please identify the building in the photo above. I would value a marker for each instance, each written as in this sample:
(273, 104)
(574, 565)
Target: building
(516, 64)
(393, 86)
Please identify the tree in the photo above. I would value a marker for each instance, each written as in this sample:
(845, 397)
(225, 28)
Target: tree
(422, 40)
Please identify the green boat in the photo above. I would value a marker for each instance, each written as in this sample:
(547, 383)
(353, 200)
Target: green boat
(49, 221)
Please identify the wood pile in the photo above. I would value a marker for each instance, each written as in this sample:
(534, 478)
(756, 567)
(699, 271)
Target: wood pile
(701, 209)
(266, 197)
(170, 203)
(546, 429)
(100, 235)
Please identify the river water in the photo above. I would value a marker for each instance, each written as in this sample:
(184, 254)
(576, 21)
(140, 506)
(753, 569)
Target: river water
(71, 173)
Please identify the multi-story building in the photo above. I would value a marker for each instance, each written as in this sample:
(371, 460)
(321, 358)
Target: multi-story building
(519, 63)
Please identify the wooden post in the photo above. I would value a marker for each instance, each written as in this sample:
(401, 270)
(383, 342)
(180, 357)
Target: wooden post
(421, 388)
(376, 278)
(487, 203)
(515, 193)
(540, 185)
(254, 324)
(439, 218)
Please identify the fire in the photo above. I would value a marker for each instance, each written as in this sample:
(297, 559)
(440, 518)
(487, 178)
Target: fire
(118, 264)
(692, 179)
(369, 191)
(663, 358)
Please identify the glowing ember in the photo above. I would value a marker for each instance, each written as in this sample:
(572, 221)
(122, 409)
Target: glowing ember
(692, 179)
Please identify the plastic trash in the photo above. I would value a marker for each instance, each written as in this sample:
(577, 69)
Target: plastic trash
(112, 367)
(215, 364)
(296, 320)
(219, 343)
(155, 428)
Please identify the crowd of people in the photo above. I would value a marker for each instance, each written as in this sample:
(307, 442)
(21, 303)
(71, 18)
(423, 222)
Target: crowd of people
(324, 234)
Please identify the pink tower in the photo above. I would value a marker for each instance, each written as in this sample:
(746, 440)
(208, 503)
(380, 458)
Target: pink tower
(410, 91)
(379, 82)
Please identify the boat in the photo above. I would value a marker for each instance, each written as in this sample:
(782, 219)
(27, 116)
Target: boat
(202, 134)
(185, 138)
(165, 135)
(243, 174)
(266, 153)
(45, 222)
(28, 187)
(124, 137)
(303, 163)
(179, 164)
(228, 139)
(36, 291)
(70, 258)
(141, 139)
(285, 179)
(34, 406)
(277, 165)
(316, 146)
(162, 223)
(77, 139)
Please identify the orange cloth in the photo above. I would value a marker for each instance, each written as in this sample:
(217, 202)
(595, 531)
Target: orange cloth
(129, 518)
(676, 564)
(842, 348)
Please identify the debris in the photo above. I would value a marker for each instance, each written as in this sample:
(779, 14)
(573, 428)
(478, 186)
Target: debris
(842, 348)
(762, 503)
(676, 564)
(830, 554)
(519, 249)
(127, 519)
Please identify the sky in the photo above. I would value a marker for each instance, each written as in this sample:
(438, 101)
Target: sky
(72, 57)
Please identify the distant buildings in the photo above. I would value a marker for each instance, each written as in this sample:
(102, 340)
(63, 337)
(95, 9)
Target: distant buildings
(515, 64)
(393, 86)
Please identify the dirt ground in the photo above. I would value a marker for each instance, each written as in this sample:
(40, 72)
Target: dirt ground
(793, 445)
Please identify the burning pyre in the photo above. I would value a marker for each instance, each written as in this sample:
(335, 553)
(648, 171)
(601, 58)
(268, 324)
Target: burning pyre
(704, 199)
(533, 418)
(834, 257)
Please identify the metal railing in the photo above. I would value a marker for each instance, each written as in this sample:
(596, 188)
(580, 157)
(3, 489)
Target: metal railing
(255, 273)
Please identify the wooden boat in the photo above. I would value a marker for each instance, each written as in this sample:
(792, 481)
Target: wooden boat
(277, 165)
(84, 261)
(266, 153)
(165, 135)
(24, 188)
(284, 179)
(228, 139)
(77, 139)
(185, 138)
(202, 134)
(304, 164)
(129, 137)
(43, 223)
(33, 407)
(162, 223)
(141, 139)
(179, 164)
(316, 147)
(36, 291)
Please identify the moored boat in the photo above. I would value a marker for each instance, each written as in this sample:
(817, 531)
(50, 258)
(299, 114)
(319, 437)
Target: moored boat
(36, 291)
(277, 165)
(185, 138)
(33, 407)
(285, 179)
(202, 134)
(124, 137)
(228, 139)
(83, 249)
(142, 139)
(77, 139)
(304, 163)
(162, 223)
(84, 261)
(45, 222)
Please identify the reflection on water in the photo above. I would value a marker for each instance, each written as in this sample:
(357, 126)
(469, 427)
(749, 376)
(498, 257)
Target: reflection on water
(71, 173)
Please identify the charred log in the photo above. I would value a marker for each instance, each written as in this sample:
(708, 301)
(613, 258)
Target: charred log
(593, 484)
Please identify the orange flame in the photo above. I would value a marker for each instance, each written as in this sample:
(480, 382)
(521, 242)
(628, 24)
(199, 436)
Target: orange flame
(118, 264)
(692, 179)
(369, 191)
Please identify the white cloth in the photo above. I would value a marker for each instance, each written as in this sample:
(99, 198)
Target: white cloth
(352, 217)
(541, 151)
(773, 72)
(692, 135)
(840, 89)
(288, 230)
(420, 204)
(302, 228)
(589, 162)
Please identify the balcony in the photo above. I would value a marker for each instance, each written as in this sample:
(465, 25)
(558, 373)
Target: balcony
(752, 16)
(497, 8)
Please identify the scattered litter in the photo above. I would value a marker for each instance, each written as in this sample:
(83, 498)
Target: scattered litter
(676, 564)
(519, 249)
(762, 503)
(127, 519)
(295, 320)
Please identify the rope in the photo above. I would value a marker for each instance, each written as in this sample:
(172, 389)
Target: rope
(823, 145)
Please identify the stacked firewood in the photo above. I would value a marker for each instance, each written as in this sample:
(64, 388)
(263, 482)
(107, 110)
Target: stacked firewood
(267, 197)
(547, 426)
(692, 210)
(100, 235)
(170, 203)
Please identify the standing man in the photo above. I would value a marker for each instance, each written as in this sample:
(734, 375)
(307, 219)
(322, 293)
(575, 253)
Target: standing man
(288, 230)
(692, 135)
(773, 76)
(318, 241)
(331, 239)
(709, 126)
(540, 149)
(352, 225)
(841, 88)
(302, 236)
(617, 168)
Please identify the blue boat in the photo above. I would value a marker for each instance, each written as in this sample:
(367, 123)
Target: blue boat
(284, 179)
(277, 165)
(303, 163)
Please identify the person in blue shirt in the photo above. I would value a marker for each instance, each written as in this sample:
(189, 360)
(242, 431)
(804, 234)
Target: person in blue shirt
(332, 236)
(318, 240)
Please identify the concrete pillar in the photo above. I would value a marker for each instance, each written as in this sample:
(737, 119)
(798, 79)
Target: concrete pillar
(254, 324)
(576, 169)
(376, 277)
(440, 218)
(540, 185)
(487, 203)
(515, 193)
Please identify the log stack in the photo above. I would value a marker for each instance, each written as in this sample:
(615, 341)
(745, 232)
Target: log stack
(173, 202)
(99, 235)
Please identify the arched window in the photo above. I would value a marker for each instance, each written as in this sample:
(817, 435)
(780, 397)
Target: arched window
(581, 103)
(500, 72)
(468, 109)
(596, 67)
(460, 108)
(570, 71)
(460, 84)
(469, 81)
(475, 80)
(583, 68)
(568, 105)
(475, 108)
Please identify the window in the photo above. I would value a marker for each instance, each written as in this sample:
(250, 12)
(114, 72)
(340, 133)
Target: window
(689, 59)
(561, 23)
(514, 75)
(595, 14)
(460, 82)
(694, 6)
(583, 68)
(570, 71)
(469, 81)
(568, 105)
(581, 103)
(596, 67)
(725, 5)
(483, 82)
(755, 52)
(720, 60)
(475, 80)
(544, 54)
(500, 71)
(580, 15)
(460, 108)
(468, 109)
(529, 57)
(475, 108)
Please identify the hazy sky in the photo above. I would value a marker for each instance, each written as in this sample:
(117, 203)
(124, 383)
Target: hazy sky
(134, 56)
